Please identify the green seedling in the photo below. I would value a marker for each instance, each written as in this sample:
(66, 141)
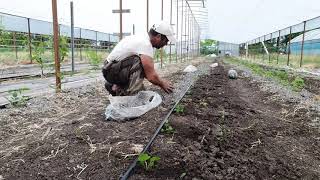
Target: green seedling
(179, 108)
(147, 161)
(167, 128)
(297, 84)
(16, 98)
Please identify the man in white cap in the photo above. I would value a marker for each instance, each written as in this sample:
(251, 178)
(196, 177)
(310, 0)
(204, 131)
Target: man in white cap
(132, 60)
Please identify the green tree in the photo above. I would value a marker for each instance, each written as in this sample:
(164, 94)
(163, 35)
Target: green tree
(208, 46)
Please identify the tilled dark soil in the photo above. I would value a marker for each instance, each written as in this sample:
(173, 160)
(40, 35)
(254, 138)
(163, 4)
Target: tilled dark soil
(68, 137)
(230, 129)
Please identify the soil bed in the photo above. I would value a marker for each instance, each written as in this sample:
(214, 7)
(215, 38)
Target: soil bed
(65, 136)
(230, 129)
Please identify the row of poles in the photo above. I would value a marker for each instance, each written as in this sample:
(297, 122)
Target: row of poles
(188, 34)
(278, 45)
(277, 35)
(81, 31)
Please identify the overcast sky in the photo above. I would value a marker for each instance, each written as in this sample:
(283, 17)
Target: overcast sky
(229, 20)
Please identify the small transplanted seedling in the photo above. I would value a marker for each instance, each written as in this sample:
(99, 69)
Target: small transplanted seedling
(167, 128)
(16, 98)
(179, 108)
(147, 161)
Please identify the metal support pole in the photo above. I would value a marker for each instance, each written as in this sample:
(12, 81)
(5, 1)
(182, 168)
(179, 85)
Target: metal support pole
(185, 32)
(56, 45)
(161, 50)
(170, 25)
(289, 48)
(187, 37)
(198, 40)
(191, 35)
(177, 34)
(278, 47)
(133, 29)
(181, 47)
(161, 9)
(15, 45)
(72, 37)
(29, 42)
(271, 47)
(80, 46)
(147, 15)
(259, 50)
(302, 45)
(247, 49)
(109, 42)
(264, 39)
(96, 43)
(120, 4)
(255, 51)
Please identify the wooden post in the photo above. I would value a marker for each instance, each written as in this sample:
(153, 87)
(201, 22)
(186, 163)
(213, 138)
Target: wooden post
(56, 45)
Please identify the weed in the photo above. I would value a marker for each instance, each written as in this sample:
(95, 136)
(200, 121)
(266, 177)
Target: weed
(297, 84)
(38, 56)
(16, 98)
(147, 161)
(280, 75)
(63, 48)
(94, 58)
(179, 108)
(167, 128)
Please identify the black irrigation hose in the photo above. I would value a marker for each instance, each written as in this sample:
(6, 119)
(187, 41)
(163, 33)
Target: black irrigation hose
(133, 165)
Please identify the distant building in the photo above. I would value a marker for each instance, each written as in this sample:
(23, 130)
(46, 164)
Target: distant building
(228, 49)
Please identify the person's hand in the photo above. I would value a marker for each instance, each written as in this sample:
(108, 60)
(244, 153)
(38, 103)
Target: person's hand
(167, 86)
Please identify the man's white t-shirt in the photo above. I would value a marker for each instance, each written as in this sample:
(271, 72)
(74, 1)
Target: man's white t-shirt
(131, 45)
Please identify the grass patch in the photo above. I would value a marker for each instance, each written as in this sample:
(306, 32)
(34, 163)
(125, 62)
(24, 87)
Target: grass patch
(282, 76)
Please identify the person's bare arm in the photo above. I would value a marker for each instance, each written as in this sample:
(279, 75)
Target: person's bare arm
(152, 75)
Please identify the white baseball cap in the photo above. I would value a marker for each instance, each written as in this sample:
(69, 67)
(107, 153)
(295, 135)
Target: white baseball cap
(164, 28)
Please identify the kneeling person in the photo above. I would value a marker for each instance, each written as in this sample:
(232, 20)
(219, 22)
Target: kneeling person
(131, 61)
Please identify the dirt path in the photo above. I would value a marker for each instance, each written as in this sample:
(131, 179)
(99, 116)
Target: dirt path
(230, 129)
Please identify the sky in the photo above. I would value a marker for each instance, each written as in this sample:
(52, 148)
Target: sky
(232, 21)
